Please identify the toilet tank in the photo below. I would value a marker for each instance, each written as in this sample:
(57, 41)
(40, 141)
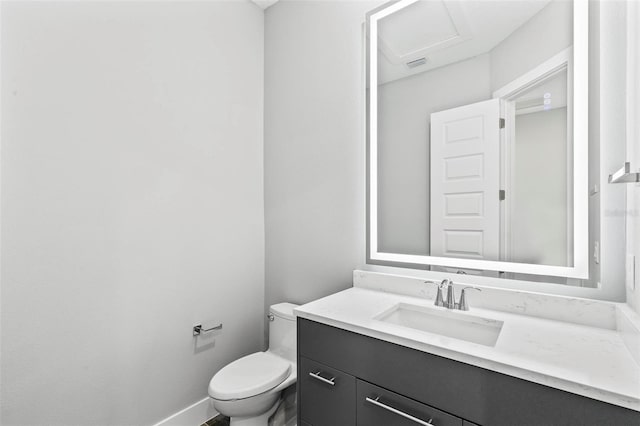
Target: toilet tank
(282, 330)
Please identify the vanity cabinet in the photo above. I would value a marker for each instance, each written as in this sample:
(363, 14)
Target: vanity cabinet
(414, 385)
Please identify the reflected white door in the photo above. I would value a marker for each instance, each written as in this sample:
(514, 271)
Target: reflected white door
(465, 181)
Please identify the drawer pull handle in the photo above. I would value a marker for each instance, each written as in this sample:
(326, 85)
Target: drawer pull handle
(317, 376)
(398, 412)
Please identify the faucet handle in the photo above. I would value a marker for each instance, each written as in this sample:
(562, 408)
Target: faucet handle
(462, 305)
(442, 284)
(472, 287)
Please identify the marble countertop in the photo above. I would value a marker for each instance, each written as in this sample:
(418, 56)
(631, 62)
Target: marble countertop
(582, 359)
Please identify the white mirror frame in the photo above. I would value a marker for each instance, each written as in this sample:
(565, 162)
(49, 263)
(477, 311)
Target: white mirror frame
(580, 268)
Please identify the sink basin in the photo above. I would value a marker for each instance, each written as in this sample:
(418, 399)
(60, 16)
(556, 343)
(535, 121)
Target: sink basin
(444, 322)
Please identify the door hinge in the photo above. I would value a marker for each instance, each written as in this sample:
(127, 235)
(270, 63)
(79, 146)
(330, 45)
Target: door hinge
(501, 123)
(502, 194)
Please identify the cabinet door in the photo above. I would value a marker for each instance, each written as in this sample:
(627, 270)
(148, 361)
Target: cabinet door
(327, 395)
(380, 407)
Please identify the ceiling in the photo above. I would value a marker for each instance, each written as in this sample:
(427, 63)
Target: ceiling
(264, 4)
(446, 31)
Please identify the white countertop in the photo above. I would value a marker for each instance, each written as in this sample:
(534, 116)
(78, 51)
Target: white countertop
(585, 360)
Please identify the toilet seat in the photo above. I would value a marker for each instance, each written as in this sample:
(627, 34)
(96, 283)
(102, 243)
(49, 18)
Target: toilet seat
(249, 376)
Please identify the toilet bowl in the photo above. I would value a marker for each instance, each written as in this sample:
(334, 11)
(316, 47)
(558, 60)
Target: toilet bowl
(248, 389)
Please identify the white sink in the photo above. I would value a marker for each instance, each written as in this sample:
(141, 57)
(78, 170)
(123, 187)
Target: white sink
(444, 322)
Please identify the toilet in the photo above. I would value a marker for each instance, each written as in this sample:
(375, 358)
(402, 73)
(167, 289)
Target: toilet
(249, 389)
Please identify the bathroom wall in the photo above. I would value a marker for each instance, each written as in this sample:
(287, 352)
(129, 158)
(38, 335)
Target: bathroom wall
(633, 236)
(545, 34)
(132, 205)
(539, 215)
(633, 154)
(612, 136)
(314, 147)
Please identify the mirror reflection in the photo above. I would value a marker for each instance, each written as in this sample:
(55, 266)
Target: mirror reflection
(474, 131)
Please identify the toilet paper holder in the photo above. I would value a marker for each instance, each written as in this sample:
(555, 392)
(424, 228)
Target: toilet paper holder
(197, 329)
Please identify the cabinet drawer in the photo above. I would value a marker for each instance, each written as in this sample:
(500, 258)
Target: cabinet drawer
(327, 396)
(380, 407)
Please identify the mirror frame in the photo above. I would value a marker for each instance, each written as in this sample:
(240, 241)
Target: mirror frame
(580, 268)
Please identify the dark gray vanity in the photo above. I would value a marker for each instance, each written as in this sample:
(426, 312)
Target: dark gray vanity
(346, 378)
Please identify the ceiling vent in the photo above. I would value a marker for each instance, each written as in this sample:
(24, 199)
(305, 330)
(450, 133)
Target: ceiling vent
(416, 62)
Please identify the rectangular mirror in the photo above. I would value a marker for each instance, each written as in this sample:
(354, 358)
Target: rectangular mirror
(477, 136)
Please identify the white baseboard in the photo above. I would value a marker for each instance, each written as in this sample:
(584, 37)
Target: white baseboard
(193, 415)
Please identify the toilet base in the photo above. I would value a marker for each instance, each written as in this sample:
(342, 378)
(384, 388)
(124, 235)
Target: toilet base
(260, 420)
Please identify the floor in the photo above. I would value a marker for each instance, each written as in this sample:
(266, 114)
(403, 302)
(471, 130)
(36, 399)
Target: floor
(218, 420)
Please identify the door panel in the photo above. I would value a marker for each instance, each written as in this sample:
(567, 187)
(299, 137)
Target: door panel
(465, 181)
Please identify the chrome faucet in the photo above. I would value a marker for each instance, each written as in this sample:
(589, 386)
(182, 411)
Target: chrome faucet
(462, 305)
(450, 302)
(441, 285)
(451, 298)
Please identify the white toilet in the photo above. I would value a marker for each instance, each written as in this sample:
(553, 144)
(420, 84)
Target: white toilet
(248, 389)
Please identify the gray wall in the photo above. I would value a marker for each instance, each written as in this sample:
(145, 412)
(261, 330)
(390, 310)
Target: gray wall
(132, 205)
(547, 33)
(612, 136)
(314, 147)
(539, 197)
(633, 153)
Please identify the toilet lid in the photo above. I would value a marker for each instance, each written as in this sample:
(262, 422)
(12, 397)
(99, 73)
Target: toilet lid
(249, 376)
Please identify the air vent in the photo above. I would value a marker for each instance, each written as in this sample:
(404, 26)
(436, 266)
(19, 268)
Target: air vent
(416, 62)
